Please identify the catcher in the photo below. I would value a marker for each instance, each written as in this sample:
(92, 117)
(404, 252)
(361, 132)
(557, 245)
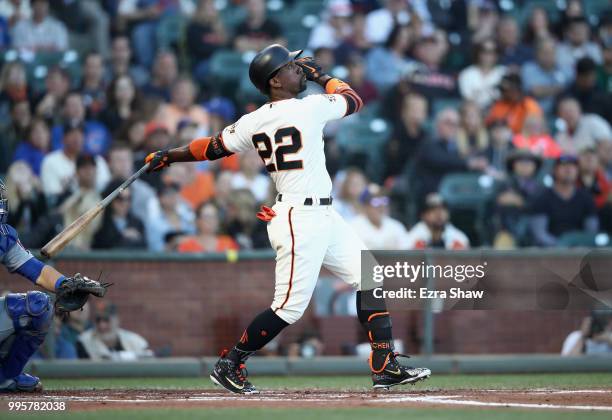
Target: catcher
(25, 317)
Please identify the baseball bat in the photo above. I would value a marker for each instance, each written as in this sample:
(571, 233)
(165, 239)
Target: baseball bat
(62, 239)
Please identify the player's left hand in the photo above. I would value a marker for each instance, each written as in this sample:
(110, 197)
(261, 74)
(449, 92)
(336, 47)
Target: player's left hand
(73, 292)
(311, 69)
(157, 160)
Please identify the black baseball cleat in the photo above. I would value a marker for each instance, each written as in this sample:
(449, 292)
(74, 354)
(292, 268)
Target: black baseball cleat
(232, 376)
(393, 373)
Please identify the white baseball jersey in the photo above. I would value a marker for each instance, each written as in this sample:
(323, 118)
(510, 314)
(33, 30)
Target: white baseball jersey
(288, 136)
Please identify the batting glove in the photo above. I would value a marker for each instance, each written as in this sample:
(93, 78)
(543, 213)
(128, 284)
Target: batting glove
(157, 160)
(311, 69)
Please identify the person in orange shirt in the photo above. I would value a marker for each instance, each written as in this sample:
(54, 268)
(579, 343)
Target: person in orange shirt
(535, 138)
(513, 106)
(183, 106)
(207, 238)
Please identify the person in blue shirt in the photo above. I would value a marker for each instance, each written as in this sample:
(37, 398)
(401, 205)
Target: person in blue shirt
(25, 318)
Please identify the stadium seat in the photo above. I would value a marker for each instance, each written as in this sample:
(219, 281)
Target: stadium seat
(365, 136)
(227, 66)
(577, 239)
(439, 104)
(170, 31)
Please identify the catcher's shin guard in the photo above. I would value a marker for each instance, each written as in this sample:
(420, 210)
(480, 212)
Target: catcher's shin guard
(232, 376)
(32, 314)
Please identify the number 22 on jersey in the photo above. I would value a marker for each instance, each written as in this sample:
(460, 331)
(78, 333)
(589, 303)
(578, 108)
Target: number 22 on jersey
(266, 149)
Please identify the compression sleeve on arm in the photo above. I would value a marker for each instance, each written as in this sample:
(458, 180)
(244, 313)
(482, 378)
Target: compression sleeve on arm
(353, 100)
(31, 269)
(209, 148)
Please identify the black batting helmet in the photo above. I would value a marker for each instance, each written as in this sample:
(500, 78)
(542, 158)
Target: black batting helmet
(267, 62)
(4, 209)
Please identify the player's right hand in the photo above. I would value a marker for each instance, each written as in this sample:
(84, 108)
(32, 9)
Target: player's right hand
(157, 160)
(310, 67)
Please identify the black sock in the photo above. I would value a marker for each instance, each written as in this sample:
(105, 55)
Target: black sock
(374, 318)
(260, 332)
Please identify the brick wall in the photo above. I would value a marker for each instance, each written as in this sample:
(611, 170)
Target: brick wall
(199, 307)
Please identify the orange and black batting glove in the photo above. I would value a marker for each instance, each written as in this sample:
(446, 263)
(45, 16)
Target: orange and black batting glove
(157, 160)
(311, 69)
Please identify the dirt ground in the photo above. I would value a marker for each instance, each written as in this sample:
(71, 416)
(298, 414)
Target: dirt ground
(597, 400)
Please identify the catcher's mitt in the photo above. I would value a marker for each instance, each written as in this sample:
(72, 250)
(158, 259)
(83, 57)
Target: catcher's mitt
(73, 292)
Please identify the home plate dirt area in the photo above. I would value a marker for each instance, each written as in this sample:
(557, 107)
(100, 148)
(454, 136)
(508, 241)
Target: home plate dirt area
(545, 399)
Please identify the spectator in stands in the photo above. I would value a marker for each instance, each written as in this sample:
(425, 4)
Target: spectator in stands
(543, 78)
(205, 34)
(563, 208)
(576, 45)
(594, 336)
(335, 26)
(196, 186)
(58, 168)
(576, 130)
(479, 81)
(12, 130)
(604, 152)
(386, 64)
(428, 77)
(349, 185)
(222, 113)
(239, 223)
(49, 104)
(97, 138)
(164, 74)
(513, 105)
(121, 62)
(538, 27)
(70, 328)
(88, 23)
(27, 200)
(593, 179)
(440, 156)
(143, 17)
(35, 146)
(107, 341)
(40, 33)
(123, 102)
(156, 137)
(257, 30)
(500, 146)
(93, 87)
(251, 177)
(169, 214)
(121, 165)
(473, 137)
(408, 134)
(535, 137)
(15, 10)
(604, 71)
(375, 227)
(357, 79)
(120, 228)
(512, 52)
(592, 100)
(13, 87)
(84, 198)
(207, 238)
(515, 196)
(480, 20)
(380, 22)
(434, 230)
(183, 107)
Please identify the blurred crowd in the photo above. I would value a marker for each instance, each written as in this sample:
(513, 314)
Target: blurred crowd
(486, 122)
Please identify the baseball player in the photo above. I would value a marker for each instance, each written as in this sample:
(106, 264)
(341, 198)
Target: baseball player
(304, 229)
(25, 317)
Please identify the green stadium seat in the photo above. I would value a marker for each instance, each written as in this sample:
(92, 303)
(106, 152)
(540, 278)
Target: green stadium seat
(227, 66)
(170, 31)
(577, 239)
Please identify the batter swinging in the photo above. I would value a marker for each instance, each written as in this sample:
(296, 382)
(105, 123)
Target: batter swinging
(303, 228)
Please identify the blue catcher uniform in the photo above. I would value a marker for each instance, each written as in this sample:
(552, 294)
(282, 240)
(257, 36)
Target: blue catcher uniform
(24, 317)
